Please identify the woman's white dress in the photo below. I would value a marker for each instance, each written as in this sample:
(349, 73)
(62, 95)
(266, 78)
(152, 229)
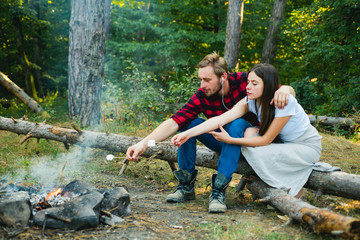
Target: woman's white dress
(287, 165)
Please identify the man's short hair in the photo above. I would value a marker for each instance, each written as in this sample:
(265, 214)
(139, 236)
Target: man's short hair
(218, 63)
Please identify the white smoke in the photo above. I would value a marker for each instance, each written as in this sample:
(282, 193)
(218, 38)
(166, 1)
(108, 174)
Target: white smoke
(46, 170)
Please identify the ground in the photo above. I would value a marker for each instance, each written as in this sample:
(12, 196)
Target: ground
(148, 183)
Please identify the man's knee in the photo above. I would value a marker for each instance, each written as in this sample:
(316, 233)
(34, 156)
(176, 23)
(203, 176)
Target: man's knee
(238, 124)
(193, 123)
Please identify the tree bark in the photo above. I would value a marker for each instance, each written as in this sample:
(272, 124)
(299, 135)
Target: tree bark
(269, 49)
(321, 220)
(18, 92)
(233, 32)
(86, 60)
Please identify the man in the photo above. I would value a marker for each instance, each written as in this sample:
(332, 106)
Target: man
(219, 91)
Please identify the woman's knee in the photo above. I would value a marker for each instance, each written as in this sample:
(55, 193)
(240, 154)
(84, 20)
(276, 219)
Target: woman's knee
(251, 132)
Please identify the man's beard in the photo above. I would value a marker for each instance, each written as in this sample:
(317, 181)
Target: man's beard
(215, 93)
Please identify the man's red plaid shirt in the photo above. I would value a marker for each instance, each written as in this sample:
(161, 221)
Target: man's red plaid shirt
(213, 106)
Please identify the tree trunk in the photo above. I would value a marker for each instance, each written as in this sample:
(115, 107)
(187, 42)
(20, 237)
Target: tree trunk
(86, 60)
(18, 92)
(233, 32)
(269, 49)
(320, 220)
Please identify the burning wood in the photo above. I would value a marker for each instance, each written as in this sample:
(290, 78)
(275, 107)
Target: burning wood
(78, 205)
(53, 194)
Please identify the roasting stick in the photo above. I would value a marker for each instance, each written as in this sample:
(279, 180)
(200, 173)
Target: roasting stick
(151, 143)
(62, 170)
(125, 164)
(110, 157)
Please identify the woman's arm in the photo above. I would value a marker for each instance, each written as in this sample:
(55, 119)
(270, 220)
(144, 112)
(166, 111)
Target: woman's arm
(213, 123)
(274, 129)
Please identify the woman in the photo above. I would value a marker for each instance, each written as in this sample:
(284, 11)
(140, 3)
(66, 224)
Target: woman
(284, 149)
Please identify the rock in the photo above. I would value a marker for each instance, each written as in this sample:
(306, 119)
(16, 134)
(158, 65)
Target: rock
(116, 201)
(79, 213)
(15, 209)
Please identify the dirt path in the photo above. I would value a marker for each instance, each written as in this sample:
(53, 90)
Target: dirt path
(153, 218)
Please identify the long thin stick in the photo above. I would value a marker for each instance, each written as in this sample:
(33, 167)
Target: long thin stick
(125, 164)
(62, 170)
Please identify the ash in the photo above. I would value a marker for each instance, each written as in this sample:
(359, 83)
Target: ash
(38, 202)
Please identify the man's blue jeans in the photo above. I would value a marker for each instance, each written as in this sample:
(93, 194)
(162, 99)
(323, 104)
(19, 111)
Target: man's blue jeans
(229, 154)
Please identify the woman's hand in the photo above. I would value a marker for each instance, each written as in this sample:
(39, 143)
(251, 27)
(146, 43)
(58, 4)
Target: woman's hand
(179, 139)
(221, 136)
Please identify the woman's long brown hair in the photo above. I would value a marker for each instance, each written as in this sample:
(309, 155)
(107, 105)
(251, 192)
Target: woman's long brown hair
(270, 77)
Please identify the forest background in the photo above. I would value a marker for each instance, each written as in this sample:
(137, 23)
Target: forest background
(151, 53)
(153, 47)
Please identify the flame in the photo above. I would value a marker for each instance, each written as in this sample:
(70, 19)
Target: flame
(53, 193)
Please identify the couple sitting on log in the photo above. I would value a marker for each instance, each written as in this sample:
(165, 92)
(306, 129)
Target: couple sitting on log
(250, 116)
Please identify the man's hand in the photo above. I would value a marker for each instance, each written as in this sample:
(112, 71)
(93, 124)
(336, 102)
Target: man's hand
(133, 153)
(163, 131)
(179, 139)
(281, 96)
(221, 136)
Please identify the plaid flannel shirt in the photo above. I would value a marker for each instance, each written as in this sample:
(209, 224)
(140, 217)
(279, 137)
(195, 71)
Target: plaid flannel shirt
(213, 106)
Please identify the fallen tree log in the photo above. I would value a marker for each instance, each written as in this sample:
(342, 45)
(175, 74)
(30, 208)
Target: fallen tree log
(18, 92)
(336, 183)
(332, 121)
(321, 220)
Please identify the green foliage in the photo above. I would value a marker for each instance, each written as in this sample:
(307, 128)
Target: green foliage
(183, 88)
(253, 32)
(318, 50)
(321, 42)
(306, 94)
(42, 33)
(163, 37)
(56, 106)
(138, 98)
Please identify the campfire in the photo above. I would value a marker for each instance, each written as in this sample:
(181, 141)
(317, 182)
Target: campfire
(78, 205)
